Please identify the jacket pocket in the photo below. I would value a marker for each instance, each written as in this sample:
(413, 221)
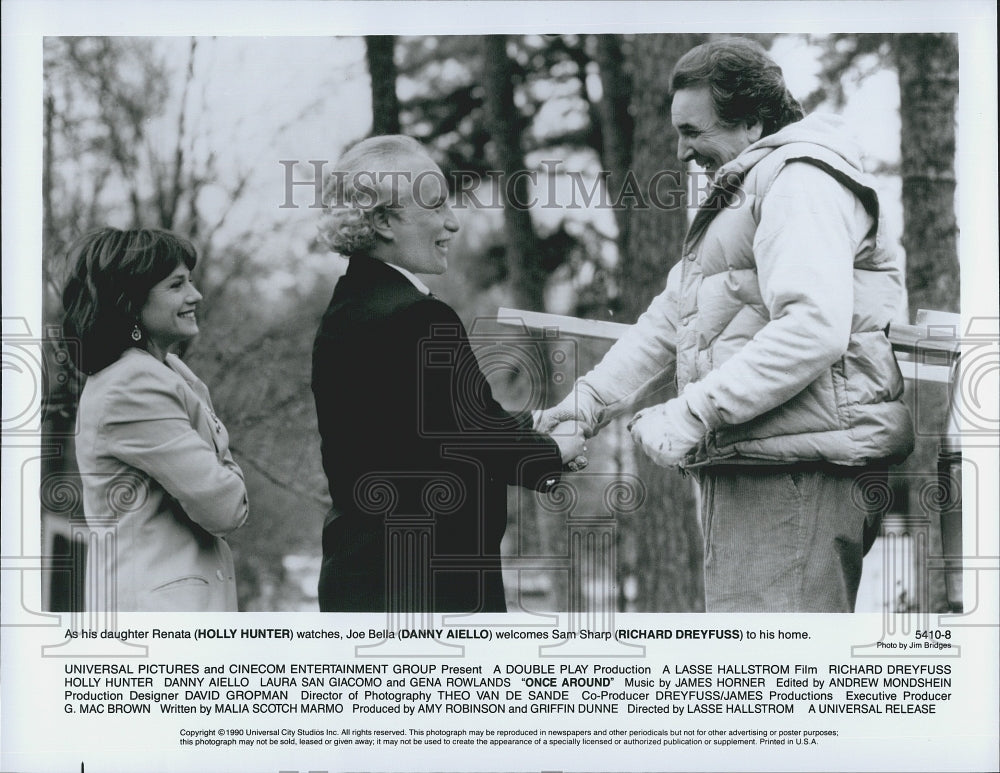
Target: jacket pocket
(179, 582)
(191, 593)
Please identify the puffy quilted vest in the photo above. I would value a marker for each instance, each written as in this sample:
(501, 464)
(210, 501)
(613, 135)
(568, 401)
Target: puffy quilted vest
(853, 413)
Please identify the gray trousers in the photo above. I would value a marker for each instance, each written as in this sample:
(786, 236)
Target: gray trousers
(788, 539)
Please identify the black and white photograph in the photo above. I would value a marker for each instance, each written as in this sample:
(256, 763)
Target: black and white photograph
(566, 379)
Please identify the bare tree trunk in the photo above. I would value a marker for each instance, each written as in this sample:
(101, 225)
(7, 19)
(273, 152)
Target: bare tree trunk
(521, 249)
(668, 539)
(928, 86)
(927, 65)
(49, 238)
(617, 126)
(382, 69)
(505, 126)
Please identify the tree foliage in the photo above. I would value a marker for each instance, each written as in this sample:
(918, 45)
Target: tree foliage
(502, 104)
(104, 165)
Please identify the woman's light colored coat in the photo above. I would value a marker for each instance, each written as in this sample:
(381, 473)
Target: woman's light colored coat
(161, 489)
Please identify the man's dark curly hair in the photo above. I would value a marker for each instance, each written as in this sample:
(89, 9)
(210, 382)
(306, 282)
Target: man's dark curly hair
(746, 84)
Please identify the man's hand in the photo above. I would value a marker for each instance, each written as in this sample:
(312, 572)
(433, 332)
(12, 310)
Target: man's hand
(666, 432)
(572, 444)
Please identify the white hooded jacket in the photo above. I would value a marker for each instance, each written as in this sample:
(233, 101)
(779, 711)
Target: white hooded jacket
(773, 320)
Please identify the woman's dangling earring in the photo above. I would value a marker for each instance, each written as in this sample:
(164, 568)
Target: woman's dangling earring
(136, 332)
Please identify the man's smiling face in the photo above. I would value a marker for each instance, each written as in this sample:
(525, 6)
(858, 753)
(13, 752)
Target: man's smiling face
(702, 137)
(421, 222)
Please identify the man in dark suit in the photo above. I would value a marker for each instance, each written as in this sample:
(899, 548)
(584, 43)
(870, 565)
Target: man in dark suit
(416, 450)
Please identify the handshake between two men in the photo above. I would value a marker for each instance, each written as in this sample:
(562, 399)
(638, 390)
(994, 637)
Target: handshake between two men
(666, 432)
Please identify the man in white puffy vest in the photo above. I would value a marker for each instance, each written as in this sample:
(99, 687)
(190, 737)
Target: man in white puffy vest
(789, 399)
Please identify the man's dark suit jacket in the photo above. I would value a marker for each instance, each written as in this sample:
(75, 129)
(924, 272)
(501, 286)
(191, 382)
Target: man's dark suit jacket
(413, 444)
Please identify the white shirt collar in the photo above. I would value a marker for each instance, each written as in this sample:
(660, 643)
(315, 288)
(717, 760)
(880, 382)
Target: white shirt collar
(412, 277)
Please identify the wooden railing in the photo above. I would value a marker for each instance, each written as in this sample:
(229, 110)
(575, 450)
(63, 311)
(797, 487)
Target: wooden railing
(927, 351)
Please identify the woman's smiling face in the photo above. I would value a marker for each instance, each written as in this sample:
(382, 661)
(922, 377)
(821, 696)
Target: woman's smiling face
(169, 314)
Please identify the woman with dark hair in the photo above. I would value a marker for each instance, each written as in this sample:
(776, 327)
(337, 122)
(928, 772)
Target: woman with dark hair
(154, 458)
